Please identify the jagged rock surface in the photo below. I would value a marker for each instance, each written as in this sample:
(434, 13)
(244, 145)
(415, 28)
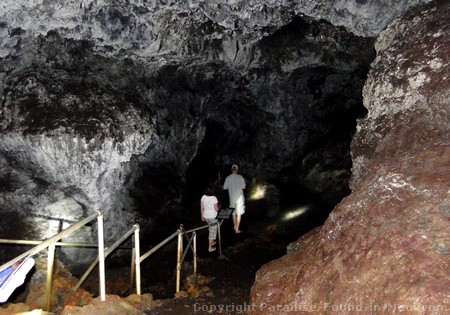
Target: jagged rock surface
(112, 104)
(384, 248)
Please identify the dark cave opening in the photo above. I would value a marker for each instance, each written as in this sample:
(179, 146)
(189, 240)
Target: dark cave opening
(204, 170)
(262, 214)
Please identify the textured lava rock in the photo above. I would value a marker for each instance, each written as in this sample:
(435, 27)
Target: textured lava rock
(385, 247)
(116, 106)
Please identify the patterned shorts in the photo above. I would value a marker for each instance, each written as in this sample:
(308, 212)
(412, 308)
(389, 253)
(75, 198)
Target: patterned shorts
(212, 222)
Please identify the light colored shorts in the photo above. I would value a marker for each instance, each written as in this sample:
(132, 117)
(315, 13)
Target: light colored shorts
(238, 206)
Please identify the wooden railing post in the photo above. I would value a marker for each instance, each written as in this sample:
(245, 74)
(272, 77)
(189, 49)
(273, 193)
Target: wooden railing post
(101, 257)
(179, 255)
(50, 265)
(195, 252)
(137, 259)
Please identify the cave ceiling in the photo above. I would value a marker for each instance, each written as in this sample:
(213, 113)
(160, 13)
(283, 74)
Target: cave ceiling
(126, 105)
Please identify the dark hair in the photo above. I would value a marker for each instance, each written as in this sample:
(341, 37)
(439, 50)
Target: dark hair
(209, 191)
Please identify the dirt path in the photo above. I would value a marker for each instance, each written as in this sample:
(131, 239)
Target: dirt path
(225, 283)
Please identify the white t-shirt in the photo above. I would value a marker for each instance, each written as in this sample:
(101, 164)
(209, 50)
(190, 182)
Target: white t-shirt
(235, 184)
(208, 203)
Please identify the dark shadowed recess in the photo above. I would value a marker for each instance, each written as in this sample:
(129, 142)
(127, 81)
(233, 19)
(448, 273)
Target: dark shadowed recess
(325, 101)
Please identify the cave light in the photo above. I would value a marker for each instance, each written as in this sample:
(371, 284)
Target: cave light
(258, 192)
(295, 213)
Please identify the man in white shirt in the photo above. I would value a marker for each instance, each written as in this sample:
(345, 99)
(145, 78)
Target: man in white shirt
(235, 184)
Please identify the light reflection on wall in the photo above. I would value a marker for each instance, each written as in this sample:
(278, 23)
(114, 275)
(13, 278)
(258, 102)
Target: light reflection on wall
(292, 214)
(53, 228)
(48, 221)
(258, 192)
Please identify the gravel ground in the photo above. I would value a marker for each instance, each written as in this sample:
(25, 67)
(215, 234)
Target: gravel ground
(224, 282)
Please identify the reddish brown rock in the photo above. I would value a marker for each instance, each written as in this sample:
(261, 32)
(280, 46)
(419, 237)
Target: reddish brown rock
(386, 247)
(113, 305)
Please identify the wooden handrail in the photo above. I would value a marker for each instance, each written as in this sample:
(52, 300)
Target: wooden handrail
(108, 251)
(62, 244)
(154, 249)
(50, 244)
(104, 252)
(44, 244)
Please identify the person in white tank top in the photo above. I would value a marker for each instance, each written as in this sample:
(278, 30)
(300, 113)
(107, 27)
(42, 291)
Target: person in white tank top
(209, 205)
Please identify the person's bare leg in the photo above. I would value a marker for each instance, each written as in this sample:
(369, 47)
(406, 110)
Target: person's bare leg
(211, 245)
(237, 223)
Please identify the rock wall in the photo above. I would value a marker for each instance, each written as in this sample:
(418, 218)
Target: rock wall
(217, 30)
(384, 248)
(106, 104)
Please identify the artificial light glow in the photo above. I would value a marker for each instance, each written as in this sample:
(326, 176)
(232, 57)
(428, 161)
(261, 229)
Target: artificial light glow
(258, 192)
(295, 213)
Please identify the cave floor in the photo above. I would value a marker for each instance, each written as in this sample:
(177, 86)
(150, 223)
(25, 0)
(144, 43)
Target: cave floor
(223, 281)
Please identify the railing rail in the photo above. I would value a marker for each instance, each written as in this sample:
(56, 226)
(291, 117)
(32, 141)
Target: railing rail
(50, 244)
(31, 242)
(155, 248)
(180, 256)
(44, 244)
(108, 251)
(103, 252)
